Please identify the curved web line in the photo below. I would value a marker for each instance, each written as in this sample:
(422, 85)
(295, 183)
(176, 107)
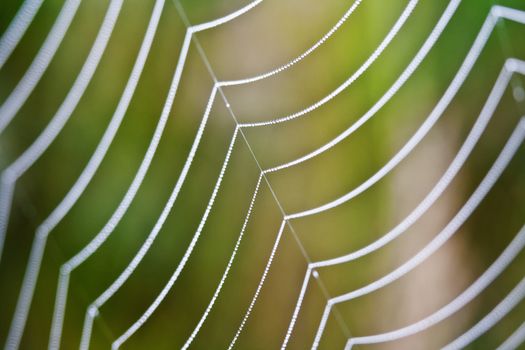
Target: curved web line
(496, 12)
(110, 291)
(17, 28)
(434, 116)
(280, 231)
(108, 228)
(84, 179)
(377, 52)
(502, 309)
(299, 58)
(476, 288)
(102, 236)
(16, 169)
(442, 237)
(78, 259)
(511, 66)
(43, 231)
(217, 85)
(515, 339)
(458, 161)
(39, 65)
(225, 19)
(135, 326)
(449, 11)
(391, 92)
(81, 257)
(236, 129)
(226, 271)
(436, 113)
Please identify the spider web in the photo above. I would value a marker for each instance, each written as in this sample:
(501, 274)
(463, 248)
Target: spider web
(312, 254)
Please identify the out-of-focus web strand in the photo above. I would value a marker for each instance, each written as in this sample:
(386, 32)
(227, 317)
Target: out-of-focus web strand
(68, 267)
(496, 13)
(17, 28)
(511, 66)
(42, 233)
(475, 289)
(406, 13)
(36, 70)
(16, 169)
(439, 240)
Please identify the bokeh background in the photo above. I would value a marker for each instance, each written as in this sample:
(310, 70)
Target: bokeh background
(266, 37)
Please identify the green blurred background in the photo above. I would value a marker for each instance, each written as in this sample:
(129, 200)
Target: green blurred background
(268, 36)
